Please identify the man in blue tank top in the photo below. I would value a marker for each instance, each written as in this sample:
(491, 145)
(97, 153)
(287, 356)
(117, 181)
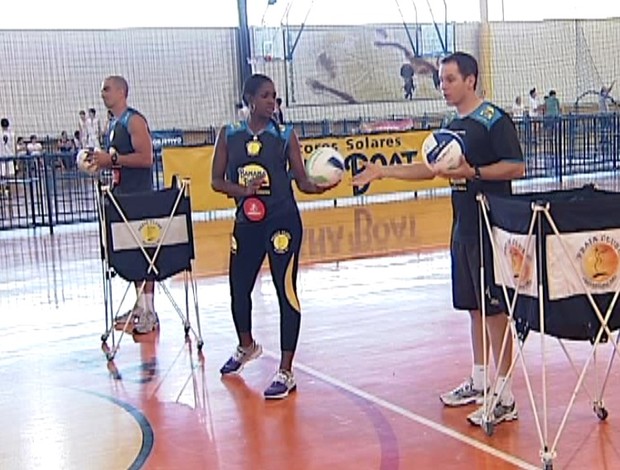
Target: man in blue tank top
(493, 157)
(251, 164)
(130, 157)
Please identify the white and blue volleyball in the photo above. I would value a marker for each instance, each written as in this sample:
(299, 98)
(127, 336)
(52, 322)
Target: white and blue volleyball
(325, 166)
(443, 150)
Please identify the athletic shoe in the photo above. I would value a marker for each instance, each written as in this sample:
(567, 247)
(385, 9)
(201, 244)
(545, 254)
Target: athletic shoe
(464, 394)
(283, 383)
(240, 357)
(499, 414)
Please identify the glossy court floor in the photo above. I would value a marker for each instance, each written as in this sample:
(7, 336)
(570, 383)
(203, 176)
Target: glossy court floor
(379, 342)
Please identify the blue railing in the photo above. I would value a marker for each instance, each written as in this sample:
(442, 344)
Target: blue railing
(47, 190)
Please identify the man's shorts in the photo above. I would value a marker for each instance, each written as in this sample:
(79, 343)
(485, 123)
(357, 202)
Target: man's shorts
(466, 279)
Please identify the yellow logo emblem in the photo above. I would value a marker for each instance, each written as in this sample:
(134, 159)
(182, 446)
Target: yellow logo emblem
(281, 241)
(600, 261)
(150, 232)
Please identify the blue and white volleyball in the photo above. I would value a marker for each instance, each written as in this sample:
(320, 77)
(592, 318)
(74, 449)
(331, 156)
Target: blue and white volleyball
(443, 150)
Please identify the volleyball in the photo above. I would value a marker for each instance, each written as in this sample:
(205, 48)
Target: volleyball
(443, 150)
(84, 163)
(325, 166)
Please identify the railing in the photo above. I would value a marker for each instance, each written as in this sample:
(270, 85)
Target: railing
(47, 190)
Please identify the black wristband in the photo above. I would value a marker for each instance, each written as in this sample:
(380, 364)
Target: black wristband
(477, 175)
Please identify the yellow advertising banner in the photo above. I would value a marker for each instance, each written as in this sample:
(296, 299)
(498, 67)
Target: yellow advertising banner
(343, 233)
(395, 148)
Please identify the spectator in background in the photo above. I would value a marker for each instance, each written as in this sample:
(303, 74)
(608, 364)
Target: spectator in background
(34, 147)
(552, 105)
(82, 129)
(77, 141)
(93, 130)
(535, 104)
(278, 115)
(107, 127)
(517, 108)
(7, 153)
(604, 97)
(66, 149)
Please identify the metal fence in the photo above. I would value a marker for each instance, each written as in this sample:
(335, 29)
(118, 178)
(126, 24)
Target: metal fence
(48, 190)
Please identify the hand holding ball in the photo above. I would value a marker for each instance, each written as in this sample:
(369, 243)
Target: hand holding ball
(325, 167)
(85, 163)
(443, 150)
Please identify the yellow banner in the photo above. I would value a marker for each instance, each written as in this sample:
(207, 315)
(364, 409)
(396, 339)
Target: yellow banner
(395, 148)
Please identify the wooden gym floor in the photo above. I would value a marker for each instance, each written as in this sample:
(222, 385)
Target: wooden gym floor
(379, 343)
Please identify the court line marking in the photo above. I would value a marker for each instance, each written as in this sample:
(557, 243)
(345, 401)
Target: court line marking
(405, 413)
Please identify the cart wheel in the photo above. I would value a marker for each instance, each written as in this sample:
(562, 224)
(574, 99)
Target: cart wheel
(104, 337)
(601, 412)
(200, 345)
(488, 428)
(186, 329)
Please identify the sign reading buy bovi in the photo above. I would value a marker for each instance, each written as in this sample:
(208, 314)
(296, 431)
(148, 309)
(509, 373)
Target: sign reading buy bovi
(385, 149)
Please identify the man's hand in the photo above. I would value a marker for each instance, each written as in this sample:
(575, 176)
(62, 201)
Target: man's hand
(371, 172)
(464, 170)
(100, 159)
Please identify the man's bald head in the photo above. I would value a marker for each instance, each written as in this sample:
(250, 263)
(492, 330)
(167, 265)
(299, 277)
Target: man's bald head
(120, 83)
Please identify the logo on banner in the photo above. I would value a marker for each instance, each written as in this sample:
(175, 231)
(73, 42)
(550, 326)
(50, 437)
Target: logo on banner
(519, 262)
(150, 232)
(599, 259)
(281, 240)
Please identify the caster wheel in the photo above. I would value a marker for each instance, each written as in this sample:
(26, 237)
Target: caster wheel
(200, 345)
(104, 338)
(601, 413)
(488, 428)
(186, 329)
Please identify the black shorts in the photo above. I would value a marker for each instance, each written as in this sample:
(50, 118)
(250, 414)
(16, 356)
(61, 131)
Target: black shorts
(465, 258)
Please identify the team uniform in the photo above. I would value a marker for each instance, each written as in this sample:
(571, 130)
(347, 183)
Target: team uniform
(127, 180)
(489, 136)
(266, 224)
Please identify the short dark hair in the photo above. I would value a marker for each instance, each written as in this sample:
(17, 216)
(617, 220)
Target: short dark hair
(552, 93)
(466, 63)
(121, 83)
(279, 101)
(252, 85)
(4, 123)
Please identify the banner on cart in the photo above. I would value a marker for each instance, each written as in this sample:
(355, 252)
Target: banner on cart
(148, 233)
(583, 262)
(515, 262)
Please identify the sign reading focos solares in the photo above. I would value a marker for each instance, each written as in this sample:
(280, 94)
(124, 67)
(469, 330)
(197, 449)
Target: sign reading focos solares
(396, 148)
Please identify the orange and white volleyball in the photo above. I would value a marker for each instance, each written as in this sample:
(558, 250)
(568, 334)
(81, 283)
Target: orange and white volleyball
(600, 262)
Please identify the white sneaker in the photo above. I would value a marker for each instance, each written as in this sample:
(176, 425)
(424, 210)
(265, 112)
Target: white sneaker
(283, 383)
(499, 414)
(240, 357)
(464, 394)
(146, 322)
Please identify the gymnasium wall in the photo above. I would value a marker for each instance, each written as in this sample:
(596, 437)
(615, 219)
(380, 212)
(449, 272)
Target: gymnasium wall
(188, 78)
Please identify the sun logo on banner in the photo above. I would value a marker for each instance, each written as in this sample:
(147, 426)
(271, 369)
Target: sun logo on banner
(600, 260)
(520, 264)
(150, 232)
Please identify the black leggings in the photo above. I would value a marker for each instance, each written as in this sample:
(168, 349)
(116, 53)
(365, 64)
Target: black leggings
(280, 239)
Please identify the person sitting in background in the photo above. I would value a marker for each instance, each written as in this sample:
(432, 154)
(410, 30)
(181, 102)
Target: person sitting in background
(517, 108)
(66, 148)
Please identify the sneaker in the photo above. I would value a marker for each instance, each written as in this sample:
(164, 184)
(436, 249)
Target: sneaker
(240, 357)
(464, 394)
(283, 383)
(500, 413)
(146, 322)
(121, 320)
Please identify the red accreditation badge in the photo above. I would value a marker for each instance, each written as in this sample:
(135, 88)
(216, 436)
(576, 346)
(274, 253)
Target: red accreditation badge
(254, 209)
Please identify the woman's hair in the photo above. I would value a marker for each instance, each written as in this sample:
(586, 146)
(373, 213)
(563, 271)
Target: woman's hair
(252, 85)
